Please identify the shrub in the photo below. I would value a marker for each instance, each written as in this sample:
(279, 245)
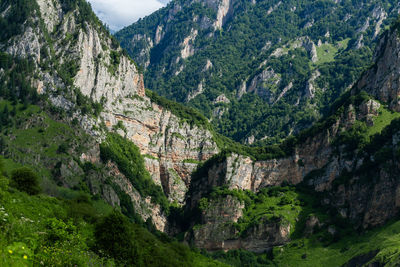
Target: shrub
(63, 148)
(59, 231)
(114, 237)
(24, 179)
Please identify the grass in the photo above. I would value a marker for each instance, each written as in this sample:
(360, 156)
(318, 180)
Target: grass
(383, 120)
(33, 136)
(288, 205)
(193, 161)
(24, 233)
(272, 205)
(326, 53)
(9, 165)
(386, 239)
(46, 231)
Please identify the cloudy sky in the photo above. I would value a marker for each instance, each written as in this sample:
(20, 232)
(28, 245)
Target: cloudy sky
(119, 13)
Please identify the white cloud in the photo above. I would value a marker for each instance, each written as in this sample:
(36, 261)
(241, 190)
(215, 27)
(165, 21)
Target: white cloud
(119, 13)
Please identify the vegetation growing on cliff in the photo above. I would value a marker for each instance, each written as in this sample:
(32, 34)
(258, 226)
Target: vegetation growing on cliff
(242, 49)
(82, 231)
(130, 162)
(378, 246)
(12, 23)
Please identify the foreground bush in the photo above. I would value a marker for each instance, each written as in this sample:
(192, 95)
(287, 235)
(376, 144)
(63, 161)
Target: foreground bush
(25, 180)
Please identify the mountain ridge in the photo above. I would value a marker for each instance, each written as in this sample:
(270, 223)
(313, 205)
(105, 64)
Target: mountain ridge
(164, 167)
(259, 66)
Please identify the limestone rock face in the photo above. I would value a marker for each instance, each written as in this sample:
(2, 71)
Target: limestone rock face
(320, 165)
(94, 77)
(383, 80)
(219, 233)
(108, 77)
(27, 45)
(264, 84)
(51, 13)
(223, 11)
(142, 206)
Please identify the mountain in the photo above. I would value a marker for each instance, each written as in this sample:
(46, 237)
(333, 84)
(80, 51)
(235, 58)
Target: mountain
(97, 170)
(260, 70)
(68, 94)
(338, 176)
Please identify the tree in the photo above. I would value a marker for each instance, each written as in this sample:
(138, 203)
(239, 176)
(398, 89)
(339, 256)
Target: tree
(114, 236)
(25, 180)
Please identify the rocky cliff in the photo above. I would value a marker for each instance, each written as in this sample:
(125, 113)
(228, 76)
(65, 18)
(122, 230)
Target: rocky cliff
(267, 57)
(78, 61)
(349, 160)
(355, 169)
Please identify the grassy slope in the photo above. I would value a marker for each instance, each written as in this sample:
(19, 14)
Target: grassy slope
(25, 234)
(385, 239)
(25, 220)
(34, 134)
(384, 119)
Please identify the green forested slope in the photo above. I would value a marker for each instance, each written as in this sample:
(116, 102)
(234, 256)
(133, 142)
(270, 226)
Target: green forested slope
(343, 33)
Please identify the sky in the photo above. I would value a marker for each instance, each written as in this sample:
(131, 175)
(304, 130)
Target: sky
(120, 13)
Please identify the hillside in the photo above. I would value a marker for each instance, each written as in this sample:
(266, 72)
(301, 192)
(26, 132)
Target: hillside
(316, 205)
(261, 70)
(67, 91)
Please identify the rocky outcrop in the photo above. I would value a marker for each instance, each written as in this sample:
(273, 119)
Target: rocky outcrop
(187, 45)
(366, 197)
(319, 164)
(218, 232)
(199, 91)
(382, 80)
(143, 206)
(94, 77)
(310, 87)
(223, 9)
(108, 77)
(51, 13)
(265, 84)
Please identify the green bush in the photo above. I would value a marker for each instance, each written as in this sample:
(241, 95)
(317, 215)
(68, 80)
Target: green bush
(114, 237)
(131, 163)
(25, 180)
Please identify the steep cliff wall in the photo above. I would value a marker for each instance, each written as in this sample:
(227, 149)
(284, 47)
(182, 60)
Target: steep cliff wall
(351, 158)
(78, 63)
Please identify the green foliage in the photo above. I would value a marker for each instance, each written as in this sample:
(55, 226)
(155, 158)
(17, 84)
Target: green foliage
(114, 236)
(15, 83)
(188, 115)
(134, 246)
(204, 204)
(286, 205)
(40, 136)
(193, 117)
(384, 241)
(239, 258)
(87, 105)
(193, 161)
(68, 70)
(24, 179)
(131, 163)
(15, 17)
(242, 49)
(85, 14)
(115, 60)
(42, 230)
(119, 126)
